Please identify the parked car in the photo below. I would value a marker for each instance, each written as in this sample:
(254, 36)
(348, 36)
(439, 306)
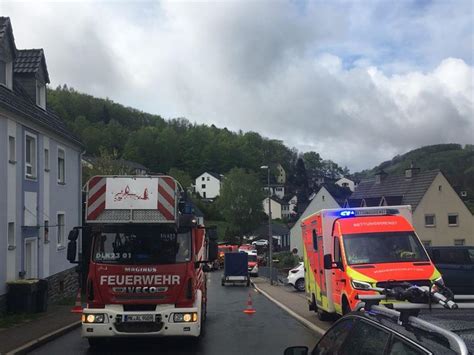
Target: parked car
(296, 277)
(260, 242)
(372, 333)
(456, 265)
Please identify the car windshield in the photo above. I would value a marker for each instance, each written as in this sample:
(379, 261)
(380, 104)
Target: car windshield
(141, 245)
(387, 247)
(252, 257)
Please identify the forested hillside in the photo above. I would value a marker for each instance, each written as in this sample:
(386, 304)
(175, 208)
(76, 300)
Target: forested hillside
(109, 128)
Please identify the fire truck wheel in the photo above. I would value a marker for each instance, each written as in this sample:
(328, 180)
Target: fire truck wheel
(345, 306)
(95, 342)
(323, 315)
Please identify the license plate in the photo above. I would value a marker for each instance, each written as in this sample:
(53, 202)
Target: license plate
(139, 318)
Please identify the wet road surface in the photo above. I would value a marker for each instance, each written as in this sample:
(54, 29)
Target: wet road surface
(227, 331)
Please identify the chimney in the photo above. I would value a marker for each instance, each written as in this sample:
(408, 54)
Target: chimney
(411, 171)
(380, 176)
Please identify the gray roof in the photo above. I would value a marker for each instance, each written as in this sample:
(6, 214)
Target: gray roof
(6, 30)
(29, 61)
(216, 175)
(18, 101)
(411, 190)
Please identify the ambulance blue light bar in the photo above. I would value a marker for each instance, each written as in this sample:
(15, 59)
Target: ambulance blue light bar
(368, 212)
(347, 213)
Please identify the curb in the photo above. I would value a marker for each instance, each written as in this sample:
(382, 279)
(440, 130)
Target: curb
(292, 313)
(24, 349)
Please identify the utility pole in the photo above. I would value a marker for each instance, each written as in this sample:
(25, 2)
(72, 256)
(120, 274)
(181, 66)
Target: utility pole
(270, 234)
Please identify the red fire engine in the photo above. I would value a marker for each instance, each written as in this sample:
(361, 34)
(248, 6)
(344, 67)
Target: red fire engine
(145, 266)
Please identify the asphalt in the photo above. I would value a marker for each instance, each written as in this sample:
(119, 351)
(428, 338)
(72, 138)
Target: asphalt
(227, 331)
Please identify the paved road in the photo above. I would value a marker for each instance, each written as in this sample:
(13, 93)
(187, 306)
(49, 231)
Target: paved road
(228, 330)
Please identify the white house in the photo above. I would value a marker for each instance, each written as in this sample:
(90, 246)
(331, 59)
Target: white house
(208, 185)
(280, 208)
(322, 200)
(276, 190)
(345, 182)
(292, 202)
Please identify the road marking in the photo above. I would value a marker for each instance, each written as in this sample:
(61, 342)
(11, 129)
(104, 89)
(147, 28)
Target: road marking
(295, 315)
(24, 349)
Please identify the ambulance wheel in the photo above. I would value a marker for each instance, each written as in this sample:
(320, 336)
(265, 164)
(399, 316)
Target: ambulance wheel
(95, 342)
(323, 315)
(345, 306)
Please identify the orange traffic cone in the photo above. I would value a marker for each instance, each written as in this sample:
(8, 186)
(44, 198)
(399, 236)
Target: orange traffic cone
(249, 309)
(78, 305)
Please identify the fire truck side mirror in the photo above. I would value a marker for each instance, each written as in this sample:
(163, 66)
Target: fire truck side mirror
(73, 234)
(71, 251)
(328, 264)
(212, 253)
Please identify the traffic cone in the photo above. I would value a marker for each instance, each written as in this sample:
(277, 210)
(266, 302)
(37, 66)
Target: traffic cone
(78, 305)
(249, 309)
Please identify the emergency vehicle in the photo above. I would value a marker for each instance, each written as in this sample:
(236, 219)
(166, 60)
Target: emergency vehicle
(349, 251)
(145, 259)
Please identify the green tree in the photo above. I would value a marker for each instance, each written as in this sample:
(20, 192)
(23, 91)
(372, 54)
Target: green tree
(180, 175)
(240, 201)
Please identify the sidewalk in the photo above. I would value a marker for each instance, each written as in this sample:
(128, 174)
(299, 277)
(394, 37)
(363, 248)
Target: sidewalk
(35, 332)
(293, 300)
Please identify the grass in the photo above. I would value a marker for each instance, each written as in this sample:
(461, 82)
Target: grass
(10, 320)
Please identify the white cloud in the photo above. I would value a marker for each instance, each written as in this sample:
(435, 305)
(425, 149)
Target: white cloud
(356, 83)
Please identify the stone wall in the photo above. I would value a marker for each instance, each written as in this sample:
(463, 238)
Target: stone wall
(63, 284)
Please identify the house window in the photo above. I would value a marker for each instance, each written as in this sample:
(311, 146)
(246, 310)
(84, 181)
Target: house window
(203, 178)
(46, 231)
(11, 149)
(459, 242)
(426, 243)
(41, 95)
(46, 159)
(208, 178)
(3, 73)
(453, 220)
(430, 220)
(322, 198)
(203, 186)
(30, 156)
(61, 166)
(440, 187)
(11, 235)
(60, 228)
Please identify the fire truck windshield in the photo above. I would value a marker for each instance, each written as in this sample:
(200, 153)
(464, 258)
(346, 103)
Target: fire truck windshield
(141, 245)
(387, 247)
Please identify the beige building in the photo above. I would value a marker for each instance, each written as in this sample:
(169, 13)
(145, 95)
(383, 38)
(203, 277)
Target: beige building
(280, 175)
(440, 217)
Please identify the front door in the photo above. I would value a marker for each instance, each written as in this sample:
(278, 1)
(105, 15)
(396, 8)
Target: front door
(31, 254)
(338, 279)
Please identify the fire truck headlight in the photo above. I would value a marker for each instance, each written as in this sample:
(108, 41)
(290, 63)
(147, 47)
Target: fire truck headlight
(361, 285)
(185, 317)
(93, 318)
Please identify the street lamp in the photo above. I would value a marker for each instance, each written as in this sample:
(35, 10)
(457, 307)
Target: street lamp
(270, 236)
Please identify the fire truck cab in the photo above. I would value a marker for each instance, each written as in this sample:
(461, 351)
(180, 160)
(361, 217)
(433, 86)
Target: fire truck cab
(144, 267)
(347, 251)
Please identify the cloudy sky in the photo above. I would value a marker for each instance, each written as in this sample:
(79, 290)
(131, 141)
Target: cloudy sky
(356, 81)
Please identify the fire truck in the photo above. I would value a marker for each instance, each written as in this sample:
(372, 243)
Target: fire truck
(347, 252)
(144, 259)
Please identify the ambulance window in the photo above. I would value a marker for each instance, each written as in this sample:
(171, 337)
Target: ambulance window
(315, 240)
(337, 250)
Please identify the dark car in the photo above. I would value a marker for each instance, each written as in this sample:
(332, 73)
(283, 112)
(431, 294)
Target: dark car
(456, 265)
(376, 333)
